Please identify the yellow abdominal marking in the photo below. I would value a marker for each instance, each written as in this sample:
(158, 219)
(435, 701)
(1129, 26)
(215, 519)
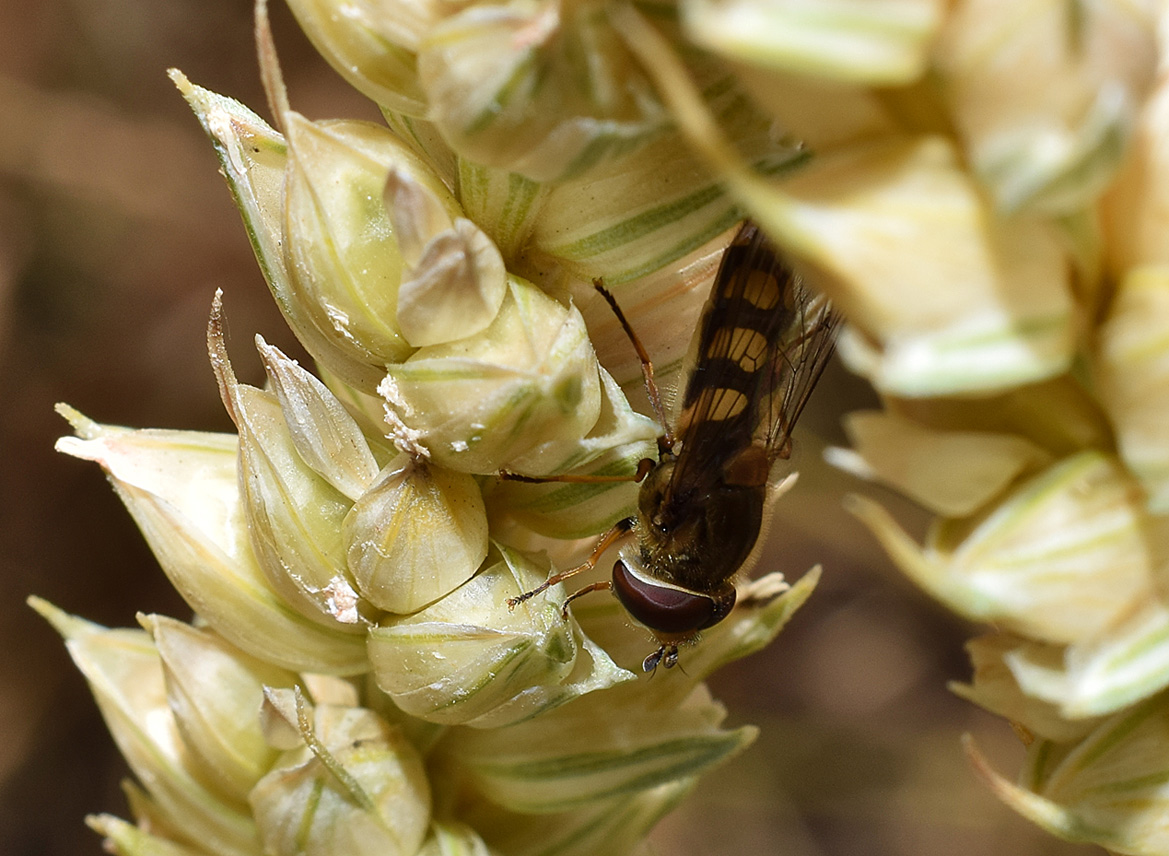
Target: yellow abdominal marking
(723, 403)
(743, 345)
(762, 290)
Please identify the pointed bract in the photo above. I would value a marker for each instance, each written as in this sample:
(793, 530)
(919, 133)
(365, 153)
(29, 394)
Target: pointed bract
(1046, 94)
(215, 692)
(877, 42)
(126, 677)
(182, 490)
(1061, 559)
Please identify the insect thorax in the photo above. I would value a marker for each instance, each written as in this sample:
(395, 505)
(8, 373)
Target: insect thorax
(697, 540)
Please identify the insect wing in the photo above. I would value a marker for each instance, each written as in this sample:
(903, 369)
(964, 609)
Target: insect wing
(800, 358)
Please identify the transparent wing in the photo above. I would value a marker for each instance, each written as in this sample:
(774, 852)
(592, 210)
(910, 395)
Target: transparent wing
(799, 361)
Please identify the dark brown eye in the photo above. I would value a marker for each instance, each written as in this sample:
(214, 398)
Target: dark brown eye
(665, 608)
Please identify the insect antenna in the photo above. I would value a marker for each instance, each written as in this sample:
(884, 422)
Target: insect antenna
(666, 440)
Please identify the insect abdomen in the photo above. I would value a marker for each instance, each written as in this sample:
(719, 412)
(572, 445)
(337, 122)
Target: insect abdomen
(747, 312)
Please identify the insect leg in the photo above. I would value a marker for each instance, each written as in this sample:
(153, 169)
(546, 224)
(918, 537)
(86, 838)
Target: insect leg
(618, 531)
(666, 441)
(591, 587)
(643, 468)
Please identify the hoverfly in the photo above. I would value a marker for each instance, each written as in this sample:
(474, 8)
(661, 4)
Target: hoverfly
(763, 344)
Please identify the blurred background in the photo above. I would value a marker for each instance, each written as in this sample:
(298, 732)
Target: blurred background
(115, 230)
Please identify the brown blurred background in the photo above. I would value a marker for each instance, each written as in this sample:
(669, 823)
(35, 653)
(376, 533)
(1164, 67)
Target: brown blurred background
(115, 229)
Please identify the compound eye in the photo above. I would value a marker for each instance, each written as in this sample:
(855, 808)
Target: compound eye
(665, 608)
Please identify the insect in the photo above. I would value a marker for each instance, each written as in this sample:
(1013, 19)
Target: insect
(763, 343)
